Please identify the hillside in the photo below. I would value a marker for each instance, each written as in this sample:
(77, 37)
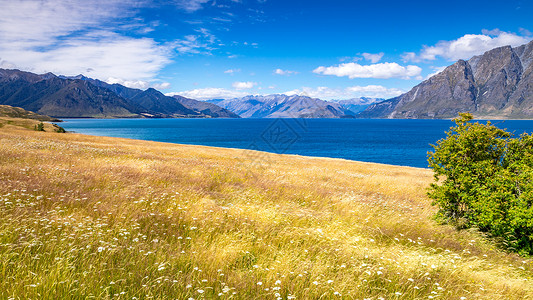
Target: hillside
(497, 84)
(283, 106)
(98, 217)
(17, 112)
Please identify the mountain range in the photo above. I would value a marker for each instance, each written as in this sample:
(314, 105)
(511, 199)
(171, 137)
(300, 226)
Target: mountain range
(497, 84)
(82, 97)
(285, 106)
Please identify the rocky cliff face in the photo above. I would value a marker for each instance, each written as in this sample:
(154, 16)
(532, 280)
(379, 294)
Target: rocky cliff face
(497, 84)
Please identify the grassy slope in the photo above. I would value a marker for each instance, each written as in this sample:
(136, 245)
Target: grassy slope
(8, 123)
(17, 112)
(100, 217)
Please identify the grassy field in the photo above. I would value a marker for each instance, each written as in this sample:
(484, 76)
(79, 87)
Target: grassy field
(86, 217)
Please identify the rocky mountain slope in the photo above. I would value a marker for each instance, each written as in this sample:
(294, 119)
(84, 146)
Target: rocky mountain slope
(79, 96)
(497, 84)
(283, 106)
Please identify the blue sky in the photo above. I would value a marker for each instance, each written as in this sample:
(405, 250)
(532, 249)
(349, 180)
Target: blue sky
(221, 49)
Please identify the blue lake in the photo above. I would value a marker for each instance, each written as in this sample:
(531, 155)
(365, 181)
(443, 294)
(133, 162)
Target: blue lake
(396, 142)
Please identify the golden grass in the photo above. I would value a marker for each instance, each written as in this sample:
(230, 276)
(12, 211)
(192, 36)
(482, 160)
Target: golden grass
(24, 124)
(96, 217)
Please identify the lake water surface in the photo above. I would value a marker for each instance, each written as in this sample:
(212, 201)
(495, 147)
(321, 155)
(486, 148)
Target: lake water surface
(396, 142)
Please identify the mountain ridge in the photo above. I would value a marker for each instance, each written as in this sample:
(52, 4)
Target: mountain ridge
(83, 97)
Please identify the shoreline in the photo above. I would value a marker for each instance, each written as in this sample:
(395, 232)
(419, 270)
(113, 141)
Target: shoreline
(251, 150)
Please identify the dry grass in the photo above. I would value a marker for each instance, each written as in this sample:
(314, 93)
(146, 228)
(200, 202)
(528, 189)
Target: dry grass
(24, 124)
(94, 217)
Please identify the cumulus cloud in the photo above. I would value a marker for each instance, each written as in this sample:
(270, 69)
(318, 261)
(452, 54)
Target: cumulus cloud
(468, 45)
(374, 91)
(77, 37)
(210, 93)
(284, 72)
(243, 85)
(373, 58)
(382, 70)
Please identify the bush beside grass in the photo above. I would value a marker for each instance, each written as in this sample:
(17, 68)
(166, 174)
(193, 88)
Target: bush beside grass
(484, 179)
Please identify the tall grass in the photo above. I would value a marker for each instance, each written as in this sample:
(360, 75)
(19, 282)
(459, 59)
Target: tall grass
(94, 217)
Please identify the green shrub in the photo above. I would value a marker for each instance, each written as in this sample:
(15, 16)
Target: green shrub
(59, 129)
(483, 178)
(39, 127)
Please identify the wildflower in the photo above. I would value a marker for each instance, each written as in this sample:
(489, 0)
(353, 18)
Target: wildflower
(259, 283)
(278, 282)
(200, 291)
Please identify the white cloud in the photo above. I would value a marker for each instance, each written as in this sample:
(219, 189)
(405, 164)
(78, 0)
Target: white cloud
(243, 85)
(468, 45)
(374, 91)
(284, 72)
(232, 71)
(135, 84)
(381, 70)
(195, 43)
(139, 84)
(77, 37)
(373, 58)
(119, 57)
(210, 93)
(409, 56)
(30, 23)
(190, 5)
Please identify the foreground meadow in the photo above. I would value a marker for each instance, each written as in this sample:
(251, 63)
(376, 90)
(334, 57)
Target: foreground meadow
(86, 217)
